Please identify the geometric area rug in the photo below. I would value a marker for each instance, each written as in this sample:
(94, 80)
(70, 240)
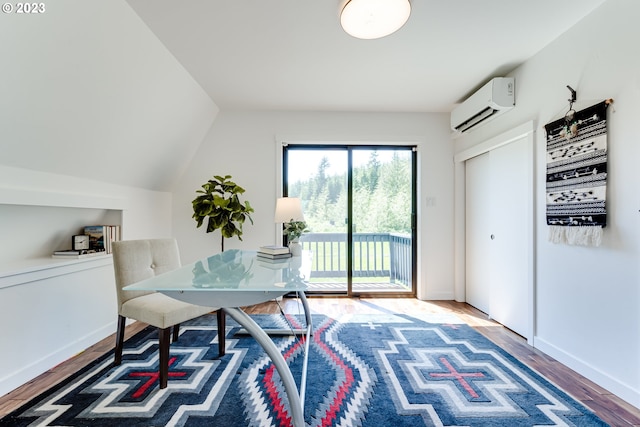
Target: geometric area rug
(363, 370)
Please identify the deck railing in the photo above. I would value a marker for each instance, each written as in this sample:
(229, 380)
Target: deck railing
(374, 255)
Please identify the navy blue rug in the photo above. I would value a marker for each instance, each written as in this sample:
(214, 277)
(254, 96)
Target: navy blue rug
(364, 370)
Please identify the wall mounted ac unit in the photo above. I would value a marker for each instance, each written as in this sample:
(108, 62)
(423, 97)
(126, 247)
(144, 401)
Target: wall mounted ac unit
(494, 98)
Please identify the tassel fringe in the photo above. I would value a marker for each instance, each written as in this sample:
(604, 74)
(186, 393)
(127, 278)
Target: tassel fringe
(581, 236)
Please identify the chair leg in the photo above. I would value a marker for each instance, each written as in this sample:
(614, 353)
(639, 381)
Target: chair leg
(176, 332)
(222, 320)
(119, 340)
(164, 336)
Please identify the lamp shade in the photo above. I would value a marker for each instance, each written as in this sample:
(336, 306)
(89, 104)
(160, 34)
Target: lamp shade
(288, 209)
(372, 19)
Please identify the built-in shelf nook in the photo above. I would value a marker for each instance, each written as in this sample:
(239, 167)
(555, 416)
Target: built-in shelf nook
(59, 306)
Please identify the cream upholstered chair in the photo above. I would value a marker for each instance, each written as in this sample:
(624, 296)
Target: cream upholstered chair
(135, 260)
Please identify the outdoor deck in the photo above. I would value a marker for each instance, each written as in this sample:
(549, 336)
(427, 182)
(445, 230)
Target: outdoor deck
(381, 262)
(357, 287)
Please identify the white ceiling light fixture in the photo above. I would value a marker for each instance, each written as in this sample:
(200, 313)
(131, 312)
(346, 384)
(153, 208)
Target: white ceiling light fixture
(373, 19)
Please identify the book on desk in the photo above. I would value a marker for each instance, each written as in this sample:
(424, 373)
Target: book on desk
(273, 253)
(264, 256)
(273, 250)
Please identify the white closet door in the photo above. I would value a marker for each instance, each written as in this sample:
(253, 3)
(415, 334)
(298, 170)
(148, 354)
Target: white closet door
(498, 197)
(510, 212)
(477, 224)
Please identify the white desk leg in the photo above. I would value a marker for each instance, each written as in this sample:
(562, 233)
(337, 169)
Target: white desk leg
(305, 362)
(291, 331)
(297, 411)
(307, 311)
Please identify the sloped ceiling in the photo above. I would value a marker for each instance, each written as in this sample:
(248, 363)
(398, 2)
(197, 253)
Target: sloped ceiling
(88, 91)
(293, 55)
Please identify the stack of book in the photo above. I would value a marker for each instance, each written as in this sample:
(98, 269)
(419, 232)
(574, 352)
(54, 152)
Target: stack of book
(273, 252)
(76, 254)
(100, 239)
(101, 236)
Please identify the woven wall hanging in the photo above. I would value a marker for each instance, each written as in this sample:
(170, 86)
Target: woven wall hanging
(577, 176)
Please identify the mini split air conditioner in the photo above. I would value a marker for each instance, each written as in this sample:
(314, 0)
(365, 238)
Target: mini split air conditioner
(494, 98)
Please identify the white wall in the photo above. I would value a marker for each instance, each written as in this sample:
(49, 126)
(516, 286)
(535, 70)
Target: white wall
(52, 314)
(243, 145)
(587, 298)
(89, 91)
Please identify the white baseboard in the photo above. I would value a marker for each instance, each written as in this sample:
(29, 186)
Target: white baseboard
(24, 374)
(436, 296)
(622, 390)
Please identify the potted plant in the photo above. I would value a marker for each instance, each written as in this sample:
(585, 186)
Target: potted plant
(219, 203)
(293, 230)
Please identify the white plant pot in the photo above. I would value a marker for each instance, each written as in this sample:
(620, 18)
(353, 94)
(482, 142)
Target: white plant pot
(295, 248)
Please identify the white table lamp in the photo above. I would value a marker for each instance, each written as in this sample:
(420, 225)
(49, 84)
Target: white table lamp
(288, 209)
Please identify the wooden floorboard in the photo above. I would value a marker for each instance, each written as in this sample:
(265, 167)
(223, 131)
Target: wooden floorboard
(607, 406)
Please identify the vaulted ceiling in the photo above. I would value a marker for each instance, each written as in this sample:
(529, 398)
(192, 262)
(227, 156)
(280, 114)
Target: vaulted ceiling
(138, 83)
(293, 55)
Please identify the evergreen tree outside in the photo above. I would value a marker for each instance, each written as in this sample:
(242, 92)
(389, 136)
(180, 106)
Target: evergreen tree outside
(381, 201)
(381, 197)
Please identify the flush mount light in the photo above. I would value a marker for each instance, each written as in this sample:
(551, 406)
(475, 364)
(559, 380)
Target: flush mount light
(372, 19)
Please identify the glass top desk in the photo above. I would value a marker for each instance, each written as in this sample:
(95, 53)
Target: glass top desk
(234, 279)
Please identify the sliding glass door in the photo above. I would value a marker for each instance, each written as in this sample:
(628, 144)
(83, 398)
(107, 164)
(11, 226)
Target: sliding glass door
(318, 176)
(359, 202)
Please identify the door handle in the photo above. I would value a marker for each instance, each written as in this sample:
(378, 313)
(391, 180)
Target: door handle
(493, 237)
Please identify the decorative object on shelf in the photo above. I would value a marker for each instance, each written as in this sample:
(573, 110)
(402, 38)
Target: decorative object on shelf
(289, 212)
(80, 242)
(367, 19)
(101, 236)
(96, 235)
(219, 203)
(577, 175)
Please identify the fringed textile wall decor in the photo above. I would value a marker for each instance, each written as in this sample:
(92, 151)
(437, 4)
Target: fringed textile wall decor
(577, 176)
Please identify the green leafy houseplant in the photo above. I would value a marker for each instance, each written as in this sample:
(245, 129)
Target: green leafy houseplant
(294, 229)
(219, 203)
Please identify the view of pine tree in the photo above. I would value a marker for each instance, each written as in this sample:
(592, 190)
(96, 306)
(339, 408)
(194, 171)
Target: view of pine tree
(381, 246)
(373, 171)
(394, 189)
(381, 201)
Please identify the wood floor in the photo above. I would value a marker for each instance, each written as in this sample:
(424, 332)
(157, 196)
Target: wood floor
(610, 408)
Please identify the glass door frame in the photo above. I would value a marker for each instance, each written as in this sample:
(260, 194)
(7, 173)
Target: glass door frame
(349, 148)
